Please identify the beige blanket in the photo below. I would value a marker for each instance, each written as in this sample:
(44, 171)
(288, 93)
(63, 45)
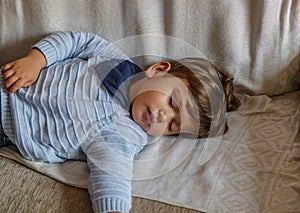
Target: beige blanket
(255, 168)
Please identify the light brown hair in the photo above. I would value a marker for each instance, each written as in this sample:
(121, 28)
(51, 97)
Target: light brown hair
(213, 91)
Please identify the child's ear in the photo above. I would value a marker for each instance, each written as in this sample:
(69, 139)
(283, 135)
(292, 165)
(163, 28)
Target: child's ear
(160, 67)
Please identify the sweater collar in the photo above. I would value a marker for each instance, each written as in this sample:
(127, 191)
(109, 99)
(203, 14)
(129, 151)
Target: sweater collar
(117, 75)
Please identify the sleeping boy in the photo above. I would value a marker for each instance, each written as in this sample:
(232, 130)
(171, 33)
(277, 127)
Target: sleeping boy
(76, 96)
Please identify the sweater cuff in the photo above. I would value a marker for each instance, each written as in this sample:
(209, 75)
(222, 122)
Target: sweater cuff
(111, 204)
(48, 50)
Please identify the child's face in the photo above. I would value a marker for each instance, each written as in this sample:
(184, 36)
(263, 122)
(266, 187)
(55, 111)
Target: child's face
(161, 103)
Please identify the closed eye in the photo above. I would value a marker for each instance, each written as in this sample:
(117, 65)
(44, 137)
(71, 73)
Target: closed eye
(171, 125)
(171, 102)
(173, 105)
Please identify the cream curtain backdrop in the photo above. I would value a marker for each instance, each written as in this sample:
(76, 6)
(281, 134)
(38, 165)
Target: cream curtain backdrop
(256, 167)
(257, 41)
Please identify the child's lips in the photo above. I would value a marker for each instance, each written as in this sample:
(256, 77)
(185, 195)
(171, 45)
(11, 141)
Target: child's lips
(148, 117)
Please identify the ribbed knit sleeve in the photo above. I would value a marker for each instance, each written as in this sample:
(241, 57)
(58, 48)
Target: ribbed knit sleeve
(67, 114)
(65, 45)
(110, 157)
(109, 191)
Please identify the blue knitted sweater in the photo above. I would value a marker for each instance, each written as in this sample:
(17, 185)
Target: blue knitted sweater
(70, 114)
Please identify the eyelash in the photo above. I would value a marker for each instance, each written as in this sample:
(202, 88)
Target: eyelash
(172, 106)
(171, 102)
(170, 125)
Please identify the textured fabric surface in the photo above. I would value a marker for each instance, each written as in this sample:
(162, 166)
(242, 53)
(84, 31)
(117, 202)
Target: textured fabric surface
(68, 114)
(26, 191)
(256, 168)
(258, 41)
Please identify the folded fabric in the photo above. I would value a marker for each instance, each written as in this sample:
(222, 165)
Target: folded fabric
(249, 169)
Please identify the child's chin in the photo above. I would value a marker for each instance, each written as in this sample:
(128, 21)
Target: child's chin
(156, 134)
(152, 131)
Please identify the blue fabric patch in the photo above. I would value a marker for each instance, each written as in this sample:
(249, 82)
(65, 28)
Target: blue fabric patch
(117, 75)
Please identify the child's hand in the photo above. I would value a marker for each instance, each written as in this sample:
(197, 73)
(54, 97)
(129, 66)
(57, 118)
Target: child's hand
(24, 71)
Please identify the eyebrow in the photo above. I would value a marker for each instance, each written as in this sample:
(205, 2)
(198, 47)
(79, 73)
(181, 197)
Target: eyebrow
(178, 97)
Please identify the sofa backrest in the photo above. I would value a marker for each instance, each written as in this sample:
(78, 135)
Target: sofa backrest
(257, 41)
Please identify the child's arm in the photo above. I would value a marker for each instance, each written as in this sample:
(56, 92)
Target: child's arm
(55, 48)
(66, 45)
(24, 71)
(110, 159)
(110, 176)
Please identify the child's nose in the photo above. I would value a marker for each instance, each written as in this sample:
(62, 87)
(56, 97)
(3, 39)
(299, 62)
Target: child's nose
(164, 116)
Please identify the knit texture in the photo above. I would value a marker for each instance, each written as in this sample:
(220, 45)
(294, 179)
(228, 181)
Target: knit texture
(68, 114)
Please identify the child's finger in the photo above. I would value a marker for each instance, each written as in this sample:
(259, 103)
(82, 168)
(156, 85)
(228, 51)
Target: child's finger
(17, 85)
(27, 84)
(10, 81)
(7, 74)
(6, 67)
